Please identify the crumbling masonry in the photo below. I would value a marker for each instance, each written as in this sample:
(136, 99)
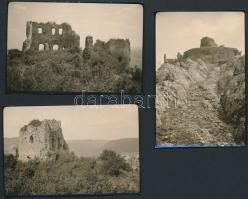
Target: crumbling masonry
(41, 139)
(118, 48)
(49, 36)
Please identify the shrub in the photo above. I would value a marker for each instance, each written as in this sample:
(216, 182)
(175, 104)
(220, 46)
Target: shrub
(113, 164)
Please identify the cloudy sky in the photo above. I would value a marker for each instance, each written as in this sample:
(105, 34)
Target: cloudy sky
(102, 21)
(180, 31)
(107, 122)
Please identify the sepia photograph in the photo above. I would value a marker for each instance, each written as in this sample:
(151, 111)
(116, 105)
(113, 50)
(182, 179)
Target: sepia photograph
(200, 79)
(74, 47)
(65, 150)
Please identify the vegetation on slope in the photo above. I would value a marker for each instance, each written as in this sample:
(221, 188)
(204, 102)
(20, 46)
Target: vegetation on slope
(69, 174)
(70, 70)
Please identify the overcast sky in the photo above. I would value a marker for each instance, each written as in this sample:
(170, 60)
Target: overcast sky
(105, 122)
(102, 21)
(180, 31)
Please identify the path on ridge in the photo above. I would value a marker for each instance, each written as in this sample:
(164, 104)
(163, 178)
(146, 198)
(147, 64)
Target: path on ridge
(199, 122)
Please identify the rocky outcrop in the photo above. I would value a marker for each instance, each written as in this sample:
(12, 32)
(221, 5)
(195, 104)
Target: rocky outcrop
(200, 98)
(41, 139)
(231, 88)
(49, 36)
(173, 81)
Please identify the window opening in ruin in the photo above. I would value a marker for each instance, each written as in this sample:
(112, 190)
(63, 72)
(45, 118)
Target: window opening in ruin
(41, 47)
(60, 31)
(53, 31)
(39, 30)
(31, 139)
(120, 59)
(55, 47)
(53, 143)
(59, 145)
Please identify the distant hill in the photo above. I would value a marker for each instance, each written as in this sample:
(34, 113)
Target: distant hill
(136, 58)
(123, 145)
(10, 144)
(88, 148)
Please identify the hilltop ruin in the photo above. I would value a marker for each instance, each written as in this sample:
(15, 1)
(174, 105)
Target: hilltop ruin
(208, 51)
(49, 36)
(200, 97)
(41, 139)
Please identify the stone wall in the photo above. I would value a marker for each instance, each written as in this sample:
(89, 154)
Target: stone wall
(212, 54)
(49, 36)
(118, 48)
(41, 139)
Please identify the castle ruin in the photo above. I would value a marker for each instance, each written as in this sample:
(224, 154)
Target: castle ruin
(49, 36)
(118, 48)
(209, 51)
(41, 139)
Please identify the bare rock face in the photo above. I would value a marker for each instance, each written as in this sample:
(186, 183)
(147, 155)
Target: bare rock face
(231, 88)
(41, 139)
(49, 36)
(172, 83)
(208, 42)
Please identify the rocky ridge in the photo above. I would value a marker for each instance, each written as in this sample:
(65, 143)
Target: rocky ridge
(200, 101)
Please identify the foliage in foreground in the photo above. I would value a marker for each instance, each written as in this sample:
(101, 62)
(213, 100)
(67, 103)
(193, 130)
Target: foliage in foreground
(70, 70)
(69, 174)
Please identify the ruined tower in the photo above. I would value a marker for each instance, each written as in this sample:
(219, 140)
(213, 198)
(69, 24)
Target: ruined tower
(41, 139)
(89, 42)
(49, 36)
(118, 49)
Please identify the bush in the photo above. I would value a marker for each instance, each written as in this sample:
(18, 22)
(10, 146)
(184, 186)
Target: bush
(113, 164)
(73, 70)
(69, 174)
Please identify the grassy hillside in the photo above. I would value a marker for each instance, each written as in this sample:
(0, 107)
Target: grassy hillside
(69, 174)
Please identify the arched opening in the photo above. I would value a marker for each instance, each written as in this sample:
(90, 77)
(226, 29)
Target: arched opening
(60, 31)
(120, 59)
(55, 47)
(53, 31)
(52, 143)
(31, 139)
(59, 144)
(39, 30)
(41, 47)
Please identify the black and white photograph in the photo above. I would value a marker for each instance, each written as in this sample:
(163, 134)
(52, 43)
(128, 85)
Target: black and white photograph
(65, 150)
(74, 47)
(200, 79)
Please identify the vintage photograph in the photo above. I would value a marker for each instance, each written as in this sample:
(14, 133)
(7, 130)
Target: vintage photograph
(74, 47)
(200, 79)
(63, 150)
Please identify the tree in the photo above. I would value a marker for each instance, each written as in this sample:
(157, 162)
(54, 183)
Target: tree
(112, 163)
